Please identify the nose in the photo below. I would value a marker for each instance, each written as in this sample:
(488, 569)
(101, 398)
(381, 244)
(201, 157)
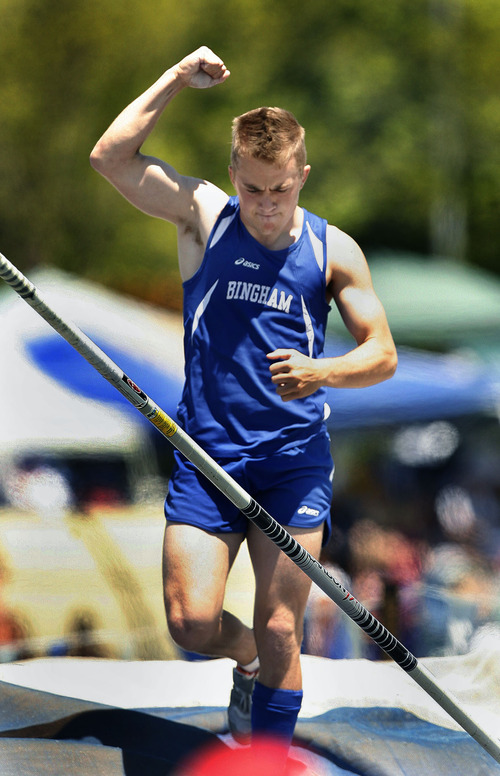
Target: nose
(267, 202)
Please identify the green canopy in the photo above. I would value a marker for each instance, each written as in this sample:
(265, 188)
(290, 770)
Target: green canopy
(438, 303)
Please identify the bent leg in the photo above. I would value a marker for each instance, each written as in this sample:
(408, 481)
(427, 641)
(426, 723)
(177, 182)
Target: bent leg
(196, 565)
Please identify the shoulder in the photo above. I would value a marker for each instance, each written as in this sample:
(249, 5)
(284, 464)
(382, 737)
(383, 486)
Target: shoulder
(345, 259)
(193, 231)
(214, 215)
(341, 246)
(208, 202)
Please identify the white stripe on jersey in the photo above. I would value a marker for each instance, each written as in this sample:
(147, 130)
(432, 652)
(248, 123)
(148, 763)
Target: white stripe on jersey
(201, 308)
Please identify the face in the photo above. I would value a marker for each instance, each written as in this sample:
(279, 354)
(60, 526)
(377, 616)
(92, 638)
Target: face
(268, 198)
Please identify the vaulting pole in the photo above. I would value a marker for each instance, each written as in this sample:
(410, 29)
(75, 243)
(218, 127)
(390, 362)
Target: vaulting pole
(247, 505)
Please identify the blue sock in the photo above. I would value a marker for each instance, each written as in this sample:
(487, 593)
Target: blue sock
(275, 712)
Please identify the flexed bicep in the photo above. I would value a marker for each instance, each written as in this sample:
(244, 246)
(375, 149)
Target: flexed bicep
(362, 313)
(156, 188)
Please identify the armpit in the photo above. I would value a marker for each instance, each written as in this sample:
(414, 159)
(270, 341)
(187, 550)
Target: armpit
(190, 230)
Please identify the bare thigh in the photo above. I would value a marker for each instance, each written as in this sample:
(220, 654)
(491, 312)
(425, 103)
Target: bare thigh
(196, 565)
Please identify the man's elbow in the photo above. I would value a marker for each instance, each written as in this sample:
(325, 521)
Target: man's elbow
(98, 159)
(105, 158)
(390, 363)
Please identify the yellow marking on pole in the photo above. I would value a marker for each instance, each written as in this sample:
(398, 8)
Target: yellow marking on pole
(163, 422)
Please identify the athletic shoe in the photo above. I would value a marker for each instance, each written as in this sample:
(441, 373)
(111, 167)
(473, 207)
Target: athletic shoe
(240, 706)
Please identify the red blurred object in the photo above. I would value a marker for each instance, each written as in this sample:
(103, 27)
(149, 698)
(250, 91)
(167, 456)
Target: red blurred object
(265, 756)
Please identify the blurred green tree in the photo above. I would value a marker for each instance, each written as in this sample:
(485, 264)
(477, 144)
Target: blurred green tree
(400, 102)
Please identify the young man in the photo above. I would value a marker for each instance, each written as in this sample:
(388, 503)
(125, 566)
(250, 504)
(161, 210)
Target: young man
(259, 273)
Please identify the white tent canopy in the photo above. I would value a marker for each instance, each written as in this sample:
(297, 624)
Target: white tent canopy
(38, 413)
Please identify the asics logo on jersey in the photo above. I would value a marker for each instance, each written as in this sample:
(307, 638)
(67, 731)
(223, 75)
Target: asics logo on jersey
(248, 264)
(308, 511)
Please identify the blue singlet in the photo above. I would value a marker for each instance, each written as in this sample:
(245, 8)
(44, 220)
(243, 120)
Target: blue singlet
(244, 302)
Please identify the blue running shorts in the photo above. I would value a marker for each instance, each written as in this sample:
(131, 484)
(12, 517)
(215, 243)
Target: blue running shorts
(294, 486)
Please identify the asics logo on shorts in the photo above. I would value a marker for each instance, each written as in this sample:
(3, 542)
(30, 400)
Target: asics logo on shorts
(308, 511)
(248, 264)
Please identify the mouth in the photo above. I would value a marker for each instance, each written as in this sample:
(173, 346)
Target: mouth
(267, 223)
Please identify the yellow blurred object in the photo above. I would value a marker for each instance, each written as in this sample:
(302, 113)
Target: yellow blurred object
(104, 567)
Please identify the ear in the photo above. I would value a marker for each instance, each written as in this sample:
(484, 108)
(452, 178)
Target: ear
(231, 173)
(305, 174)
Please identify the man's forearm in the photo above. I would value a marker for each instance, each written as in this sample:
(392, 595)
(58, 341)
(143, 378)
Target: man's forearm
(296, 375)
(120, 143)
(368, 364)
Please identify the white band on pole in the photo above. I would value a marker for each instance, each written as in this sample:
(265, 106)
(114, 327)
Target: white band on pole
(246, 504)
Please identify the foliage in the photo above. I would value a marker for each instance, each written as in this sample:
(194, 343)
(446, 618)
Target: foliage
(400, 102)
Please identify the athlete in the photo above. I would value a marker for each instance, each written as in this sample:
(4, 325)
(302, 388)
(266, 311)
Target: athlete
(259, 274)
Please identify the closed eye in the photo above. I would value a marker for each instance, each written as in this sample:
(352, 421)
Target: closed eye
(279, 190)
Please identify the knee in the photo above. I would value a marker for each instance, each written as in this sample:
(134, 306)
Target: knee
(282, 632)
(190, 630)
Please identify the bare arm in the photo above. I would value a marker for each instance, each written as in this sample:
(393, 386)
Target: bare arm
(150, 184)
(373, 359)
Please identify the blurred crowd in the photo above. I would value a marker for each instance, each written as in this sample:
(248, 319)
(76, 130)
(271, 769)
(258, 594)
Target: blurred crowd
(416, 539)
(81, 639)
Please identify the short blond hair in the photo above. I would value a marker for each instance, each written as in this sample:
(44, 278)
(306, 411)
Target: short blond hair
(271, 134)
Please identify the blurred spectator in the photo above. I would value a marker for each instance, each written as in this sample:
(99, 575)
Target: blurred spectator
(386, 565)
(457, 599)
(15, 637)
(327, 630)
(82, 639)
